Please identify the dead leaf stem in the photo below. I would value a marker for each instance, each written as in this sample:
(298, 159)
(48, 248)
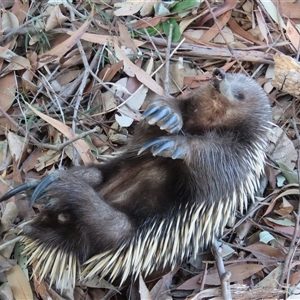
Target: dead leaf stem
(167, 59)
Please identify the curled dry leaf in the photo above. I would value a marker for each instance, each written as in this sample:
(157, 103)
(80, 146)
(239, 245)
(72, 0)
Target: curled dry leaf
(17, 145)
(56, 18)
(9, 216)
(285, 208)
(281, 148)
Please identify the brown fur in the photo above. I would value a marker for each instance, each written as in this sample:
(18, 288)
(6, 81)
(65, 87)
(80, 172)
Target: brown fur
(221, 131)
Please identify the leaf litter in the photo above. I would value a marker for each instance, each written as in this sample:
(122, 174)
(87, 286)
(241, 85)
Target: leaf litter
(75, 76)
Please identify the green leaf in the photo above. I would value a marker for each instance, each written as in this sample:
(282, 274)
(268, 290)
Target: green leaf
(265, 237)
(183, 5)
(176, 31)
(152, 30)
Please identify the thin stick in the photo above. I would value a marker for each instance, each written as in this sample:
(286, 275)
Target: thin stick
(167, 60)
(13, 241)
(223, 274)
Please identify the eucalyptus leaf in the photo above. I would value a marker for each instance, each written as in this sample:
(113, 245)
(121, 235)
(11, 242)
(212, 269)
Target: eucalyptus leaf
(265, 237)
(184, 5)
(290, 175)
(176, 31)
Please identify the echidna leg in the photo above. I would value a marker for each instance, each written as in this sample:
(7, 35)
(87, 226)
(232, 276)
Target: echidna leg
(74, 217)
(90, 174)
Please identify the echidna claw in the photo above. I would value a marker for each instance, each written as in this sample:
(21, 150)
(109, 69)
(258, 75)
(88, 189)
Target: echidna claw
(169, 122)
(149, 111)
(19, 189)
(42, 186)
(159, 115)
(148, 145)
(163, 116)
(164, 146)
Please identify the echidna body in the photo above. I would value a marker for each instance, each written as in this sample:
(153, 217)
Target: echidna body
(190, 165)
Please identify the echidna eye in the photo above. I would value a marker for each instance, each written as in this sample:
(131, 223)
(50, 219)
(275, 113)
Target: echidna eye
(239, 96)
(63, 218)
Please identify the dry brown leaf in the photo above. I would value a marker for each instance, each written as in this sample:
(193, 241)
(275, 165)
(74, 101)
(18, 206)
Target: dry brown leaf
(56, 18)
(20, 10)
(293, 34)
(289, 230)
(7, 91)
(187, 21)
(271, 281)
(238, 272)
(240, 31)
(290, 9)
(262, 25)
(9, 20)
(285, 208)
(9, 216)
(28, 75)
(68, 76)
(128, 8)
(263, 251)
(148, 22)
(81, 146)
(143, 290)
(103, 39)
(158, 292)
(32, 161)
(140, 74)
(58, 51)
(48, 158)
(284, 148)
(109, 71)
(125, 38)
(294, 278)
(17, 146)
(220, 10)
(16, 63)
(213, 31)
(148, 7)
(19, 283)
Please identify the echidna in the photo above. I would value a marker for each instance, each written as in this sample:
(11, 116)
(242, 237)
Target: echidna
(191, 163)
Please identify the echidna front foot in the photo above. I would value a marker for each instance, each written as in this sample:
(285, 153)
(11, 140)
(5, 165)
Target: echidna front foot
(164, 116)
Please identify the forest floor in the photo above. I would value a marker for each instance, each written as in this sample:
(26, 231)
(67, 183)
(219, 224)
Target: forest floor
(77, 75)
